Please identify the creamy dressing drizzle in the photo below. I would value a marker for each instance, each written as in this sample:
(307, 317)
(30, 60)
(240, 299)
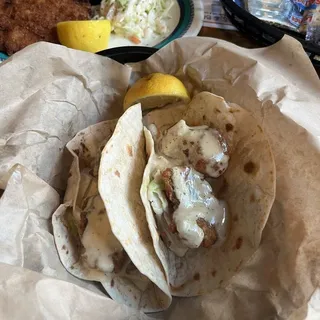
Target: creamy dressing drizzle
(184, 148)
(98, 240)
(196, 202)
(201, 147)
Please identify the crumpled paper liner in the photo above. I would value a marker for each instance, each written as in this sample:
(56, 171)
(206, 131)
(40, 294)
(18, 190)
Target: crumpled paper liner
(26, 237)
(49, 93)
(277, 83)
(26, 294)
(27, 244)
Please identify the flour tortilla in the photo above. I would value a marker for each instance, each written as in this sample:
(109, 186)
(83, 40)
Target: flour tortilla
(128, 286)
(123, 161)
(249, 192)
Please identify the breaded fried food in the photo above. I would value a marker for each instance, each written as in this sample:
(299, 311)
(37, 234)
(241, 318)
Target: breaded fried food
(23, 22)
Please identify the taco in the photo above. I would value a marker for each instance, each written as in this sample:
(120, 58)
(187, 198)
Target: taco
(86, 236)
(208, 188)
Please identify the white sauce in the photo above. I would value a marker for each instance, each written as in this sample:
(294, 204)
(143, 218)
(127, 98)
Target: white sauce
(202, 147)
(196, 201)
(98, 240)
(210, 145)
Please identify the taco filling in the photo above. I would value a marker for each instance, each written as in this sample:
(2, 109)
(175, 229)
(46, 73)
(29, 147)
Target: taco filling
(102, 250)
(188, 214)
(202, 147)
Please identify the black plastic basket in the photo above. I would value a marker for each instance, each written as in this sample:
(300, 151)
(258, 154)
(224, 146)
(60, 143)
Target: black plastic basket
(128, 54)
(263, 32)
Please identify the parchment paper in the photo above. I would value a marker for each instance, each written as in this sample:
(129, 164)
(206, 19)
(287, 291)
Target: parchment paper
(47, 94)
(27, 242)
(278, 84)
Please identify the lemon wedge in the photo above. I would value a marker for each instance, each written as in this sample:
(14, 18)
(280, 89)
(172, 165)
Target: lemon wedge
(87, 35)
(156, 90)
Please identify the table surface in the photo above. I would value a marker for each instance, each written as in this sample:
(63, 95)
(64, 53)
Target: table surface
(235, 37)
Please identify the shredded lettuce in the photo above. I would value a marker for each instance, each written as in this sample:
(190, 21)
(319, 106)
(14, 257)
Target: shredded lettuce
(157, 197)
(123, 2)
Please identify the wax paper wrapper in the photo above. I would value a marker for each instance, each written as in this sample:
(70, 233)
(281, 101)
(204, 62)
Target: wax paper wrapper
(49, 291)
(277, 84)
(47, 94)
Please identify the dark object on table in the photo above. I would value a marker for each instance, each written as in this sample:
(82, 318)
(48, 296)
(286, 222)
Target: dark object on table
(128, 54)
(95, 2)
(263, 32)
(23, 22)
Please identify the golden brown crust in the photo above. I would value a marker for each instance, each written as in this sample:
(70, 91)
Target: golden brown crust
(168, 187)
(210, 233)
(24, 22)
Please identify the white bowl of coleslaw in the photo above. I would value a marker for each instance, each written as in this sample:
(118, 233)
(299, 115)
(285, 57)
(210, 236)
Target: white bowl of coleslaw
(151, 23)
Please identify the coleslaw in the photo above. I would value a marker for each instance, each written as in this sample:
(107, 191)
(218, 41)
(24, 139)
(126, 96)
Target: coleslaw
(136, 19)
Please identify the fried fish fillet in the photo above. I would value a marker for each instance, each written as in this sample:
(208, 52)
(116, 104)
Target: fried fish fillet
(23, 22)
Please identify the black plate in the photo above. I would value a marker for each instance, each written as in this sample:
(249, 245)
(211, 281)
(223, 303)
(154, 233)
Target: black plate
(128, 54)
